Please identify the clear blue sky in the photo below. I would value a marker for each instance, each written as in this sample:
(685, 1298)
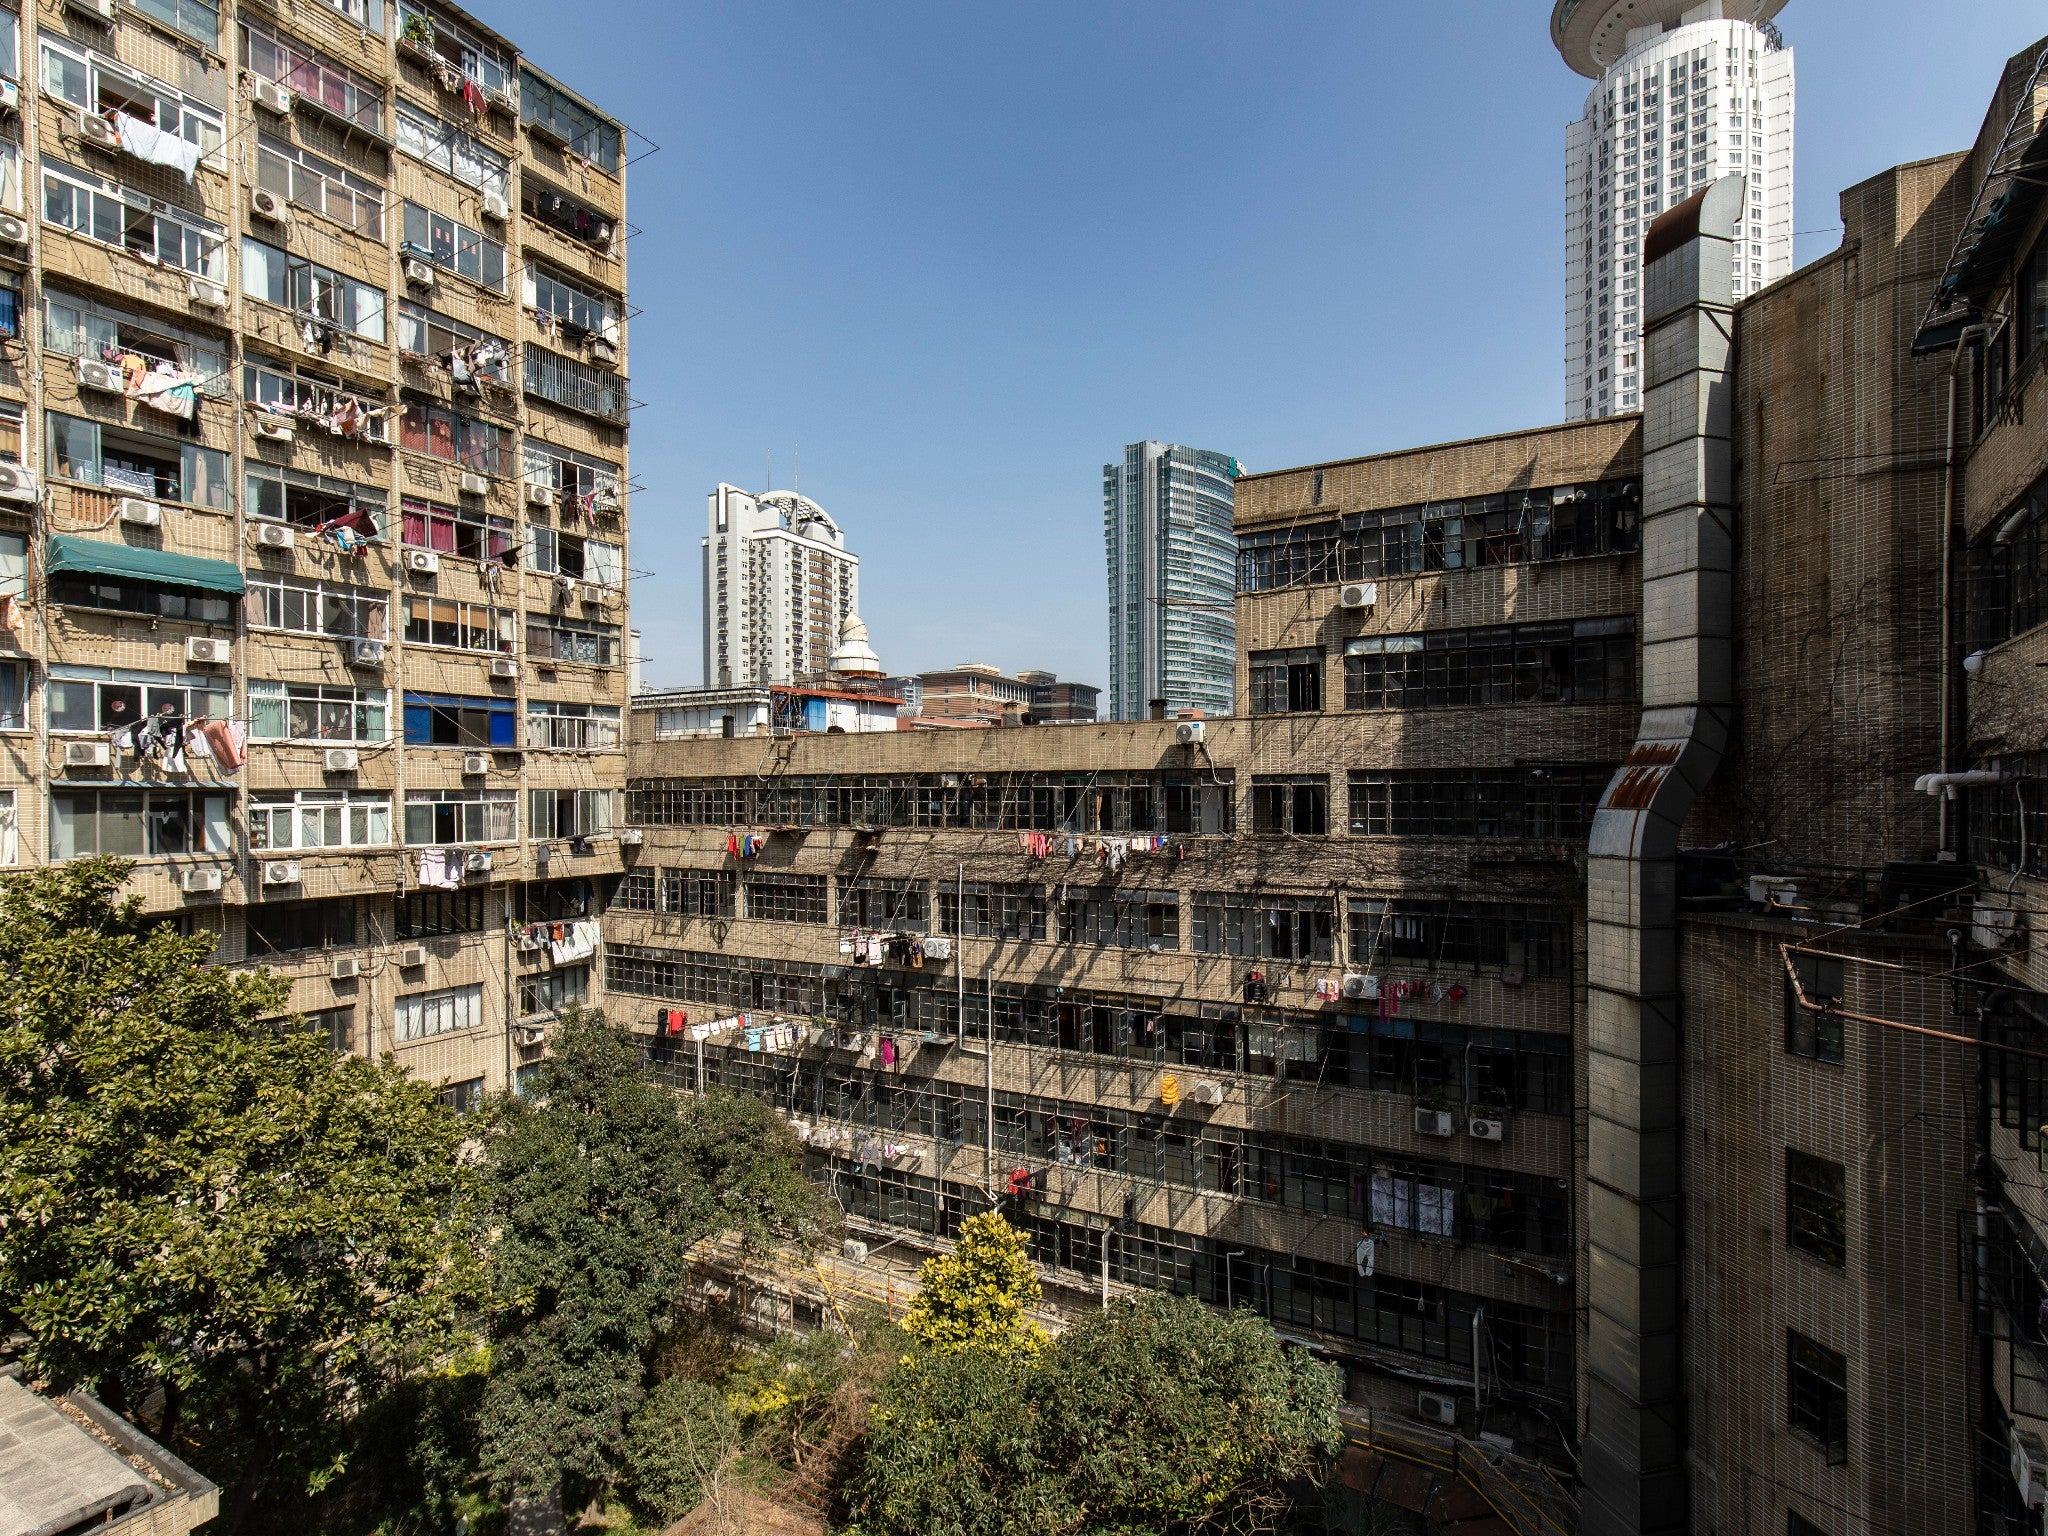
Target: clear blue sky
(957, 254)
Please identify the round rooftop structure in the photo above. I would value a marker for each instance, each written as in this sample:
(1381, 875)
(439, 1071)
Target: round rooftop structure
(803, 516)
(853, 656)
(1592, 34)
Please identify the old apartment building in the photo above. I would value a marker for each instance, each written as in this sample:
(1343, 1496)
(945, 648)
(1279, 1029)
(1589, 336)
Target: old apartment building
(312, 516)
(1591, 986)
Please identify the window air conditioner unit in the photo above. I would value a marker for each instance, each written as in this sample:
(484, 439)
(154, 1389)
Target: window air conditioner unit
(1435, 1122)
(98, 132)
(200, 879)
(1207, 1091)
(425, 561)
(1436, 1408)
(1189, 732)
(504, 668)
(1485, 1128)
(94, 374)
(87, 754)
(1992, 926)
(266, 204)
(531, 1035)
(1355, 986)
(10, 96)
(366, 653)
(273, 428)
(592, 594)
(604, 352)
(496, 208)
(211, 653)
(18, 483)
(206, 293)
(474, 763)
(476, 862)
(13, 230)
(341, 760)
(272, 97)
(630, 838)
(140, 511)
(275, 535)
(474, 484)
(2029, 1466)
(1359, 594)
(538, 495)
(419, 274)
(412, 957)
(281, 872)
(345, 968)
(98, 10)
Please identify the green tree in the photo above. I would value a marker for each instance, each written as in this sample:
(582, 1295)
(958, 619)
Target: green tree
(600, 1180)
(978, 1297)
(198, 1202)
(678, 1442)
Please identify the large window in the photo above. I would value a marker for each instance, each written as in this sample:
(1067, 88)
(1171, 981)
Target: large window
(446, 434)
(570, 216)
(1570, 662)
(876, 903)
(449, 149)
(555, 111)
(572, 812)
(473, 357)
(553, 725)
(1286, 682)
(77, 328)
(104, 210)
(316, 608)
(460, 626)
(590, 484)
(319, 186)
(786, 898)
(570, 554)
(452, 246)
(197, 19)
(1533, 800)
(137, 823)
(993, 911)
(317, 401)
(1264, 927)
(455, 530)
(574, 310)
(313, 501)
(448, 816)
(120, 594)
(1417, 933)
(580, 387)
(96, 700)
(312, 75)
(1817, 1207)
(102, 87)
(592, 645)
(439, 914)
(2009, 571)
(1817, 1394)
(442, 720)
(325, 300)
(1294, 805)
(547, 992)
(132, 464)
(286, 927)
(323, 712)
(1126, 917)
(319, 818)
(421, 1015)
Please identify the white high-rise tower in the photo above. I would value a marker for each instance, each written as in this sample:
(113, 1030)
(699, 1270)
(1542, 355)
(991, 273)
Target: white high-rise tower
(1688, 91)
(779, 585)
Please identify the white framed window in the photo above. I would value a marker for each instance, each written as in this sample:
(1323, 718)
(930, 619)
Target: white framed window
(10, 831)
(100, 209)
(552, 725)
(95, 700)
(548, 294)
(322, 712)
(316, 608)
(453, 246)
(567, 554)
(137, 823)
(449, 149)
(444, 817)
(460, 626)
(319, 818)
(101, 86)
(81, 328)
(317, 294)
(571, 812)
(421, 1015)
(570, 473)
(320, 186)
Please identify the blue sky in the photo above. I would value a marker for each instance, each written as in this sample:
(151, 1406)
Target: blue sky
(955, 255)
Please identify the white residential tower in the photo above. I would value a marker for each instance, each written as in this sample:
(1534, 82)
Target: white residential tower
(1688, 91)
(779, 585)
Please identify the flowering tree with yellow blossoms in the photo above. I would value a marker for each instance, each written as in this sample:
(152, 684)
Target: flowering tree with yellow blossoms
(979, 1297)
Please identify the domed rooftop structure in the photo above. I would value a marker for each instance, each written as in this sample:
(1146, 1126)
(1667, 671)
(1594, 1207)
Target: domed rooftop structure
(853, 656)
(1592, 34)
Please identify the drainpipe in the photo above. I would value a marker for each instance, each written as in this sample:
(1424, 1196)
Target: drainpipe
(1945, 841)
(1636, 1433)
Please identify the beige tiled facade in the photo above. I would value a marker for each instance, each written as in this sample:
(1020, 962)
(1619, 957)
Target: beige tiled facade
(381, 189)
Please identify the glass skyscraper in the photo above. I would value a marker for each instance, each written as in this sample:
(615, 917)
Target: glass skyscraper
(1166, 525)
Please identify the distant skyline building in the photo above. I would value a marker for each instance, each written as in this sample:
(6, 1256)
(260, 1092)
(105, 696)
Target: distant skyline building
(1166, 527)
(1687, 91)
(779, 586)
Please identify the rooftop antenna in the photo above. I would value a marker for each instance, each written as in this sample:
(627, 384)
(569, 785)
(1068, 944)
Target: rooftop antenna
(771, 469)
(797, 484)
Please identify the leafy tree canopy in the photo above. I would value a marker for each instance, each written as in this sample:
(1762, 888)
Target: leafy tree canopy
(200, 1199)
(979, 1297)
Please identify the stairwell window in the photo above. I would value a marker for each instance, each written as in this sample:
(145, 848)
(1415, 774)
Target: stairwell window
(1816, 1035)
(1817, 1395)
(1816, 1207)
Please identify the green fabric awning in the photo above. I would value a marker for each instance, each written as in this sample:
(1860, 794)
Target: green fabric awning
(97, 557)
